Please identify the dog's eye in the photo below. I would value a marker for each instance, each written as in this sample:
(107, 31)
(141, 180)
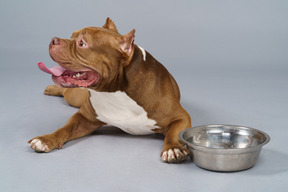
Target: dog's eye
(82, 44)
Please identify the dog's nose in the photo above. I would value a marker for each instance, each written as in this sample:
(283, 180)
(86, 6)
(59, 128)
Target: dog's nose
(55, 41)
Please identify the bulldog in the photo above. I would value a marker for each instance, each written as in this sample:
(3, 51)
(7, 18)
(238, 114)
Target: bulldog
(113, 82)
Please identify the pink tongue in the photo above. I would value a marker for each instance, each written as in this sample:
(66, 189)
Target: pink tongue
(56, 71)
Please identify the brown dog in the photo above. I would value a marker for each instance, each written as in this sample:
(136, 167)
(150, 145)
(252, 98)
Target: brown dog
(126, 88)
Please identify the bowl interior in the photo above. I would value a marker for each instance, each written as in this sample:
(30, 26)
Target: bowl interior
(224, 137)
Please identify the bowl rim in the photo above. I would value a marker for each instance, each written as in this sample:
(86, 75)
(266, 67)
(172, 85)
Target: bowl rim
(224, 150)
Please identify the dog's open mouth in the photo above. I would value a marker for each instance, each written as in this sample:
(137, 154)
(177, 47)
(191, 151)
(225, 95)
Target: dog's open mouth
(70, 79)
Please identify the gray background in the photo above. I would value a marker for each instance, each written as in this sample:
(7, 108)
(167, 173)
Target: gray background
(229, 58)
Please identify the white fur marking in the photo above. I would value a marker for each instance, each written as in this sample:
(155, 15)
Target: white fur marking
(34, 141)
(119, 110)
(171, 155)
(37, 145)
(143, 52)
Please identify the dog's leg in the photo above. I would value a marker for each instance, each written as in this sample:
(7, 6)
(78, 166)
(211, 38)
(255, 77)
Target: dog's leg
(77, 126)
(54, 90)
(73, 96)
(173, 149)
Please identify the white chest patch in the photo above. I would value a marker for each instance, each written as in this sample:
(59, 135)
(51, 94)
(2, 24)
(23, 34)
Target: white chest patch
(143, 52)
(119, 110)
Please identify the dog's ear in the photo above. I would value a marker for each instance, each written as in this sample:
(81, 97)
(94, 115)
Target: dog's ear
(109, 24)
(127, 42)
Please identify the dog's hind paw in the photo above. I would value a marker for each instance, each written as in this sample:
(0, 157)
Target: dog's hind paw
(54, 90)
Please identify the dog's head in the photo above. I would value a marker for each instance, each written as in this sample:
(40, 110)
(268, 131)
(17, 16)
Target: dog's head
(92, 57)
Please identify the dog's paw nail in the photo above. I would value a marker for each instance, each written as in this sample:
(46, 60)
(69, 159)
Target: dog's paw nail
(185, 152)
(165, 156)
(171, 156)
(179, 154)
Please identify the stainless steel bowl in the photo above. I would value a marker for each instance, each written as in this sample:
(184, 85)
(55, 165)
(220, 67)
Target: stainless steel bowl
(224, 147)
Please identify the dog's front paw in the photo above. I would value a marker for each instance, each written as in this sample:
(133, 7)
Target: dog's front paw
(44, 144)
(38, 145)
(174, 155)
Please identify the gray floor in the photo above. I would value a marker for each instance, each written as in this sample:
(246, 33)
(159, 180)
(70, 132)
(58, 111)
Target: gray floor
(229, 59)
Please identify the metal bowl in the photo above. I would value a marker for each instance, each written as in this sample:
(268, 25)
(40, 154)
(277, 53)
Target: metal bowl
(224, 147)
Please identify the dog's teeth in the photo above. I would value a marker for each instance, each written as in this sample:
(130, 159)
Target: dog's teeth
(78, 75)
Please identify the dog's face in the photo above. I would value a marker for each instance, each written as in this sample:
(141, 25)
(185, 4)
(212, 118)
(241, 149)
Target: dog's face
(92, 56)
